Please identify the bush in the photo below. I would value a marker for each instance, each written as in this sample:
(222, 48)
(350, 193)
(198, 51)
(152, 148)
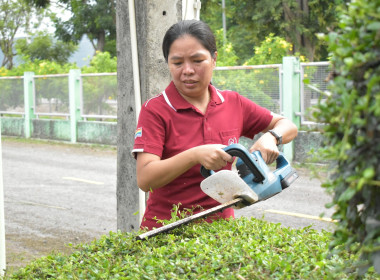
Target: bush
(270, 51)
(101, 62)
(352, 116)
(238, 249)
(226, 53)
(39, 67)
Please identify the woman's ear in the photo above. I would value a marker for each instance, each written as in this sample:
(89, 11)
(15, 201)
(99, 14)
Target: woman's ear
(214, 57)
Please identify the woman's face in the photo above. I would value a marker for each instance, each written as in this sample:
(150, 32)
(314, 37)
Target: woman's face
(191, 66)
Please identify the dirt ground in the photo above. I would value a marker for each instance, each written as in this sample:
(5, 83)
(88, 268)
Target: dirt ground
(55, 195)
(21, 250)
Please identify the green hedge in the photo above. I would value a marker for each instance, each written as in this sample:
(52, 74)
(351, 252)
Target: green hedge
(239, 249)
(351, 112)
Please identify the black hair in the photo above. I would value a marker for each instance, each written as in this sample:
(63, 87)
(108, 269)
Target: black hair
(195, 28)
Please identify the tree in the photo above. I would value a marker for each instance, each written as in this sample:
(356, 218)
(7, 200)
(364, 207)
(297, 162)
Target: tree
(44, 47)
(351, 112)
(96, 19)
(15, 16)
(298, 21)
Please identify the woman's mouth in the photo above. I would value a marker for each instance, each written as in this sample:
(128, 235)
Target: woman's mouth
(189, 82)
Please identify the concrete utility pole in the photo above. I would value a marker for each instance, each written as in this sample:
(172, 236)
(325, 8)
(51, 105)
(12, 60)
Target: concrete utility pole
(152, 19)
(191, 9)
(2, 223)
(224, 22)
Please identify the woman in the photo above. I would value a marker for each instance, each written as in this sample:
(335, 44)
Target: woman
(189, 123)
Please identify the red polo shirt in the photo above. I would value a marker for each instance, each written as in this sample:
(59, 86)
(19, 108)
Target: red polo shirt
(168, 125)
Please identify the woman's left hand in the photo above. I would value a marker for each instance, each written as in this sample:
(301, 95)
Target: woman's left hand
(267, 145)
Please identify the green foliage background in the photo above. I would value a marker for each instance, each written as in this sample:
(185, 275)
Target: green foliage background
(12, 91)
(98, 89)
(351, 112)
(44, 47)
(96, 19)
(249, 22)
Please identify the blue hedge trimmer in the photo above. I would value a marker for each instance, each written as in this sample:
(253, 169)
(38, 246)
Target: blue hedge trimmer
(253, 182)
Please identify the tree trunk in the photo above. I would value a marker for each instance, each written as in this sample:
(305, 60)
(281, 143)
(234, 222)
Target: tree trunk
(101, 41)
(293, 35)
(307, 41)
(8, 55)
(297, 17)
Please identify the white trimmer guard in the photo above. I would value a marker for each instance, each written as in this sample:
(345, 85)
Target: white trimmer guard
(226, 185)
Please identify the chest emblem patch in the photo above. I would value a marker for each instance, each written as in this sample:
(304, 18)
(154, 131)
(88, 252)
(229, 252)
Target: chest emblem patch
(232, 141)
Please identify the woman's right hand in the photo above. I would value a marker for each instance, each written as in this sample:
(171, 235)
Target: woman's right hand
(153, 173)
(212, 156)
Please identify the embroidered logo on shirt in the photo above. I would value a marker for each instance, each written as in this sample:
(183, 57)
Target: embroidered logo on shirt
(232, 141)
(138, 132)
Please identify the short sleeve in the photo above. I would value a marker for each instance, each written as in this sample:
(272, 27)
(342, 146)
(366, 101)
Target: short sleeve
(150, 132)
(255, 117)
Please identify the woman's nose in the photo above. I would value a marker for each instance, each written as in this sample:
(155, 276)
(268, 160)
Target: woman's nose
(188, 68)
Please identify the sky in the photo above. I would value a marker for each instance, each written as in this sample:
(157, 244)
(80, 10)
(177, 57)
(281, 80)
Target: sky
(85, 47)
(47, 24)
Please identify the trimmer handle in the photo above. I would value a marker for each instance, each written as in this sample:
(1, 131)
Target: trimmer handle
(241, 152)
(281, 162)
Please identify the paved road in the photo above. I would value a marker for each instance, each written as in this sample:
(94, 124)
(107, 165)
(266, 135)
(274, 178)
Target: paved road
(57, 194)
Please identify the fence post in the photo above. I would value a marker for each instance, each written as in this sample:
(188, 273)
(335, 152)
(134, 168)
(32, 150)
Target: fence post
(291, 86)
(28, 103)
(75, 101)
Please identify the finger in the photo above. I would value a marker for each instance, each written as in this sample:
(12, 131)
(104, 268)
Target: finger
(230, 159)
(265, 157)
(273, 156)
(226, 156)
(270, 160)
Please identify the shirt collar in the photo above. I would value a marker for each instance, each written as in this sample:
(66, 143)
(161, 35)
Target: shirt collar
(174, 99)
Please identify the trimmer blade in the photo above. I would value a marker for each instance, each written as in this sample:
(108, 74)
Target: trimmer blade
(184, 221)
(226, 185)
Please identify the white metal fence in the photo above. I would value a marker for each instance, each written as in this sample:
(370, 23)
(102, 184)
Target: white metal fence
(260, 83)
(12, 96)
(51, 96)
(317, 74)
(263, 85)
(98, 94)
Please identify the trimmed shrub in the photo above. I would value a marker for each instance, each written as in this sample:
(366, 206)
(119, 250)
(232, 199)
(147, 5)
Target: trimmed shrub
(238, 249)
